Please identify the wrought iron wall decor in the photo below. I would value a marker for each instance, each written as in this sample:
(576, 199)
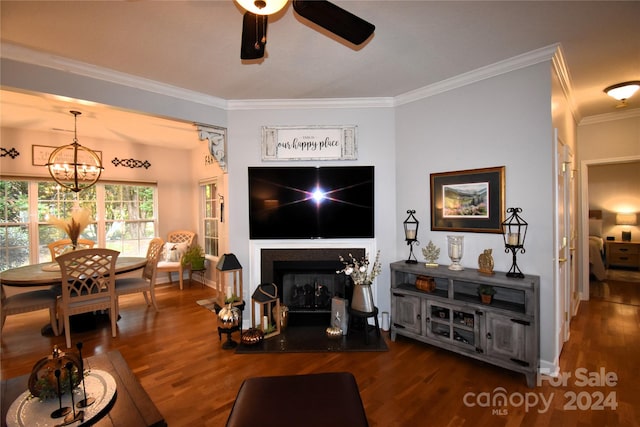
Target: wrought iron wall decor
(12, 152)
(131, 163)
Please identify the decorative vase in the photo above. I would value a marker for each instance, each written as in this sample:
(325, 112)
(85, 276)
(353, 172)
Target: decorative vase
(486, 299)
(362, 299)
(455, 245)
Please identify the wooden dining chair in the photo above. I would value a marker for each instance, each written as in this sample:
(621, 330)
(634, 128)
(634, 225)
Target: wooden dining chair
(147, 282)
(59, 246)
(25, 302)
(180, 241)
(88, 284)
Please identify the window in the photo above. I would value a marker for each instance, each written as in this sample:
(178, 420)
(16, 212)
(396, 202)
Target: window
(125, 218)
(211, 219)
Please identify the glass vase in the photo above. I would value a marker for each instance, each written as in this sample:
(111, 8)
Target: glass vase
(455, 245)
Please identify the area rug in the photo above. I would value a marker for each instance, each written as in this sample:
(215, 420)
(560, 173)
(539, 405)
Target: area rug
(313, 339)
(210, 304)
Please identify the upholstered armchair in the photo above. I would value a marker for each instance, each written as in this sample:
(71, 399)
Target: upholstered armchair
(174, 249)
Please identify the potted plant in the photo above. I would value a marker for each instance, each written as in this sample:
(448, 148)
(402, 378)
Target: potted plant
(486, 293)
(194, 256)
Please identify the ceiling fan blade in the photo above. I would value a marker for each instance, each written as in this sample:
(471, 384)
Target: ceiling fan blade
(254, 36)
(335, 19)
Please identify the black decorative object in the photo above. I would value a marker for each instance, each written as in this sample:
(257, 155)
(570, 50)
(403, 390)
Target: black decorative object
(12, 152)
(411, 235)
(514, 231)
(86, 401)
(131, 163)
(61, 411)
(76, 415)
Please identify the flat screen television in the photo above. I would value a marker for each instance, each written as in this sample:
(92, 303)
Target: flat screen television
(311, 202)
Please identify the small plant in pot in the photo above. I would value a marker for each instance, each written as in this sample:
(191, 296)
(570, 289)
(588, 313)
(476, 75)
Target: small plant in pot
(486, 293)
(194, 257)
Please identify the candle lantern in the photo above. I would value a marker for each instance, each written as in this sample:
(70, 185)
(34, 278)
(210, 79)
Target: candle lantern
(411, 235)
(229, 280)
(514, 231)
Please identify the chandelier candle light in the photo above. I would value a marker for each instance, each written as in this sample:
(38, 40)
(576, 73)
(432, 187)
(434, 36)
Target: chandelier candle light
(73, 166)
(358, 270)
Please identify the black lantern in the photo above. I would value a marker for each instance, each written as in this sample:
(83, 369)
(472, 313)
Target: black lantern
(411, 235)
(514, 231)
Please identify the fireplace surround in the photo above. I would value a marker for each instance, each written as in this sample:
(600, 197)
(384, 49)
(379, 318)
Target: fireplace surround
(305, 274)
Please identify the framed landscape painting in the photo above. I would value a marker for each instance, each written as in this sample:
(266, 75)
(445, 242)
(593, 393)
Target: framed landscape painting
(469, 200)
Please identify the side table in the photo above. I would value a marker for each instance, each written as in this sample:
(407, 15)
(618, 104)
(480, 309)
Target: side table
(362, 317)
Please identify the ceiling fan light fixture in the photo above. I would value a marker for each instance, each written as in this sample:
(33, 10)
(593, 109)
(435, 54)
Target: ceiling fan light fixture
(262, 7)
(622, 91)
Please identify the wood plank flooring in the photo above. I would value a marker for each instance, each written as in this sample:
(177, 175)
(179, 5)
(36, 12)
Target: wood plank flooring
(178, 358)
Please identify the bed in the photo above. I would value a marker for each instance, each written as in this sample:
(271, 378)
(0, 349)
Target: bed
(596, 246)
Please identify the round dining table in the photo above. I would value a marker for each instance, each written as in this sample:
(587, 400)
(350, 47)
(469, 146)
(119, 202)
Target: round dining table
(48, 273)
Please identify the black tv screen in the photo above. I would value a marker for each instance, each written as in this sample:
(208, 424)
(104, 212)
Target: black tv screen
(311, 202)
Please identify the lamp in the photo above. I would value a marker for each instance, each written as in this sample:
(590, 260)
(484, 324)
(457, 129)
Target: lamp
(228, 264)
(262, 7)
(73, 166)
(411, 235)
(622, 91)
(514, 231)
(626, 219)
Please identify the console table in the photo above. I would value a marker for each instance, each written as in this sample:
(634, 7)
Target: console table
(132, 406)
(505, 333)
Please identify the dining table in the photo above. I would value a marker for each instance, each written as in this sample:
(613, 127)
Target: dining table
(49, 274)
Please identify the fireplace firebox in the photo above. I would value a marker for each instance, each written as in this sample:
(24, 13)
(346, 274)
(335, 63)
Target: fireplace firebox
(307, 280)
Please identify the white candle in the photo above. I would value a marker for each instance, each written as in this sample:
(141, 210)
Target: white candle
(229, 292)
(455, 251)
(265, 323)
(411, 234)
(514, 238)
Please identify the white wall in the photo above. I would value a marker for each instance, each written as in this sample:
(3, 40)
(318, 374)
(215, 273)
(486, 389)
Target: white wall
(375, 140)
(501, 121)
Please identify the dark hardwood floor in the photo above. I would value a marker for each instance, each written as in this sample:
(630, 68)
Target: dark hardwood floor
(178, 358)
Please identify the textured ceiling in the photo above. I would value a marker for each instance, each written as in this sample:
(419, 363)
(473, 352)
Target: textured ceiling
(195, 45)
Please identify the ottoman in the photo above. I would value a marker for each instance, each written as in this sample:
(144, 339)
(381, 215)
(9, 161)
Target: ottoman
(329, 400)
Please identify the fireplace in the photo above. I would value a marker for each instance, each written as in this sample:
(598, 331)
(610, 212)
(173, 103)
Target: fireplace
(307, 280)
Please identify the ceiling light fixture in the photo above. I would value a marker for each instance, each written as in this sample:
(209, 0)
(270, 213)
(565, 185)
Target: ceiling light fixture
(262, 7)
(622, 91)
(73, 166)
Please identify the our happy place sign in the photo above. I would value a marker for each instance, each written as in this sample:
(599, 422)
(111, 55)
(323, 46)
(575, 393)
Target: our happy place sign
(309, 143)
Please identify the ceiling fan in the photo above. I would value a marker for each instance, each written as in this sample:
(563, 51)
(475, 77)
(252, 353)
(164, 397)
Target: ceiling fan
(327, 15)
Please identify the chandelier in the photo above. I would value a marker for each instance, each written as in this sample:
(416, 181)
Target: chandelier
(73, 166)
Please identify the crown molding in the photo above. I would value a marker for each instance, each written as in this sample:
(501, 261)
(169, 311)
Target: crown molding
(33, 57)
(609, 117)
(562, 71)
(517, 62)
(275, 104)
